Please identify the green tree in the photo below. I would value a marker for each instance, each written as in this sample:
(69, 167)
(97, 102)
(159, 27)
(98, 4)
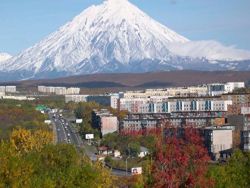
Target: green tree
(234, 174)
(84, 111)
(133, 149)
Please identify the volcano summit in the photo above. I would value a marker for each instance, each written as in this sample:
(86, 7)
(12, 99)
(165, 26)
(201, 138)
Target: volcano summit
(115, 37)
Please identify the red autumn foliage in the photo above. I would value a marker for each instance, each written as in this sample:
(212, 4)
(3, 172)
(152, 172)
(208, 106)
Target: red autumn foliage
(181, 160)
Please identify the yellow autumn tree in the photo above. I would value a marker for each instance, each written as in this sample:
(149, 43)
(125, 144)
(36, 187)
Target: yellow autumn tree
(24, 140)
(104, 178)
(42, 138)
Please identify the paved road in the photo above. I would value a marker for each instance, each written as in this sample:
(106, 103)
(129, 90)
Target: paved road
(66, 133)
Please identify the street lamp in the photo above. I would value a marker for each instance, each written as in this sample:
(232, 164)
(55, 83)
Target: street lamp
(127, 166)
(127, 160)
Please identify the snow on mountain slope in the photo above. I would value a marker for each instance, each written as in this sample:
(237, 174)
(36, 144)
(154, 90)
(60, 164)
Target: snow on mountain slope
(113, 31)
(211, 50)
(115, 36)
(4, 57)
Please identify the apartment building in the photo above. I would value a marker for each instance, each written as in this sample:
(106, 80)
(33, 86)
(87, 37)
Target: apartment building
(245, 140)
(8, 89)
(174, 105)
(140, 121)
(2, 89)
(167, 92)
(245, 133)
(235, 109)
(19, 98)
(242, 120)
(73, 91)
(104, 121)
(58, 90)
(237, 98)
(216, 89)
(219, 141)
(105, 100)
(131, 125)
(76, 98)
(2, 94)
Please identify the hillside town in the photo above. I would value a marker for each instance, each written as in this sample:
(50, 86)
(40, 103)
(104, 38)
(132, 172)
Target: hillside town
(221, 111)
(125, 94)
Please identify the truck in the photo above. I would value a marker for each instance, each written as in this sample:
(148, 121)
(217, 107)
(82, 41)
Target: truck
(78, 121)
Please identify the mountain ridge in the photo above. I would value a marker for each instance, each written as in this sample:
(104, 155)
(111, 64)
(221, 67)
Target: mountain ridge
(117, 37)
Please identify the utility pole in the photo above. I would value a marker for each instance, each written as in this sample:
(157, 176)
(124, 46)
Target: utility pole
(127, 166)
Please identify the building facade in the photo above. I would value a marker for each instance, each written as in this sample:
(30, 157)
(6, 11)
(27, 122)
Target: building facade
(245, 140)
(75, 98)
(138, 122)
(218, 141)
(104, 121)
(8, 89)
(221, 88)
(173, 105)
(58, 90)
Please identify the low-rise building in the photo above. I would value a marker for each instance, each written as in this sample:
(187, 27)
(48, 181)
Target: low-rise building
(143, 152)
(117, 154)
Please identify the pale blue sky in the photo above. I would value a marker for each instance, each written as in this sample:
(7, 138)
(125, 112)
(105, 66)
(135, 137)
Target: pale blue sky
(25, 22)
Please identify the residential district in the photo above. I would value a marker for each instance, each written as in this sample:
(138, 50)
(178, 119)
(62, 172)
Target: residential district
(222, 114)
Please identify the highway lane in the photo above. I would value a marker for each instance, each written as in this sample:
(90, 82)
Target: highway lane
(62, 131)
(66, 133)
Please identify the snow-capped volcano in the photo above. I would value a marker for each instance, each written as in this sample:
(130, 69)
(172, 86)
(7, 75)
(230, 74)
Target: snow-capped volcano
(114, 37)
(4, 57)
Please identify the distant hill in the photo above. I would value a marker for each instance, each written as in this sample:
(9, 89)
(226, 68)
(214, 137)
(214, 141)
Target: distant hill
(143, 80)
